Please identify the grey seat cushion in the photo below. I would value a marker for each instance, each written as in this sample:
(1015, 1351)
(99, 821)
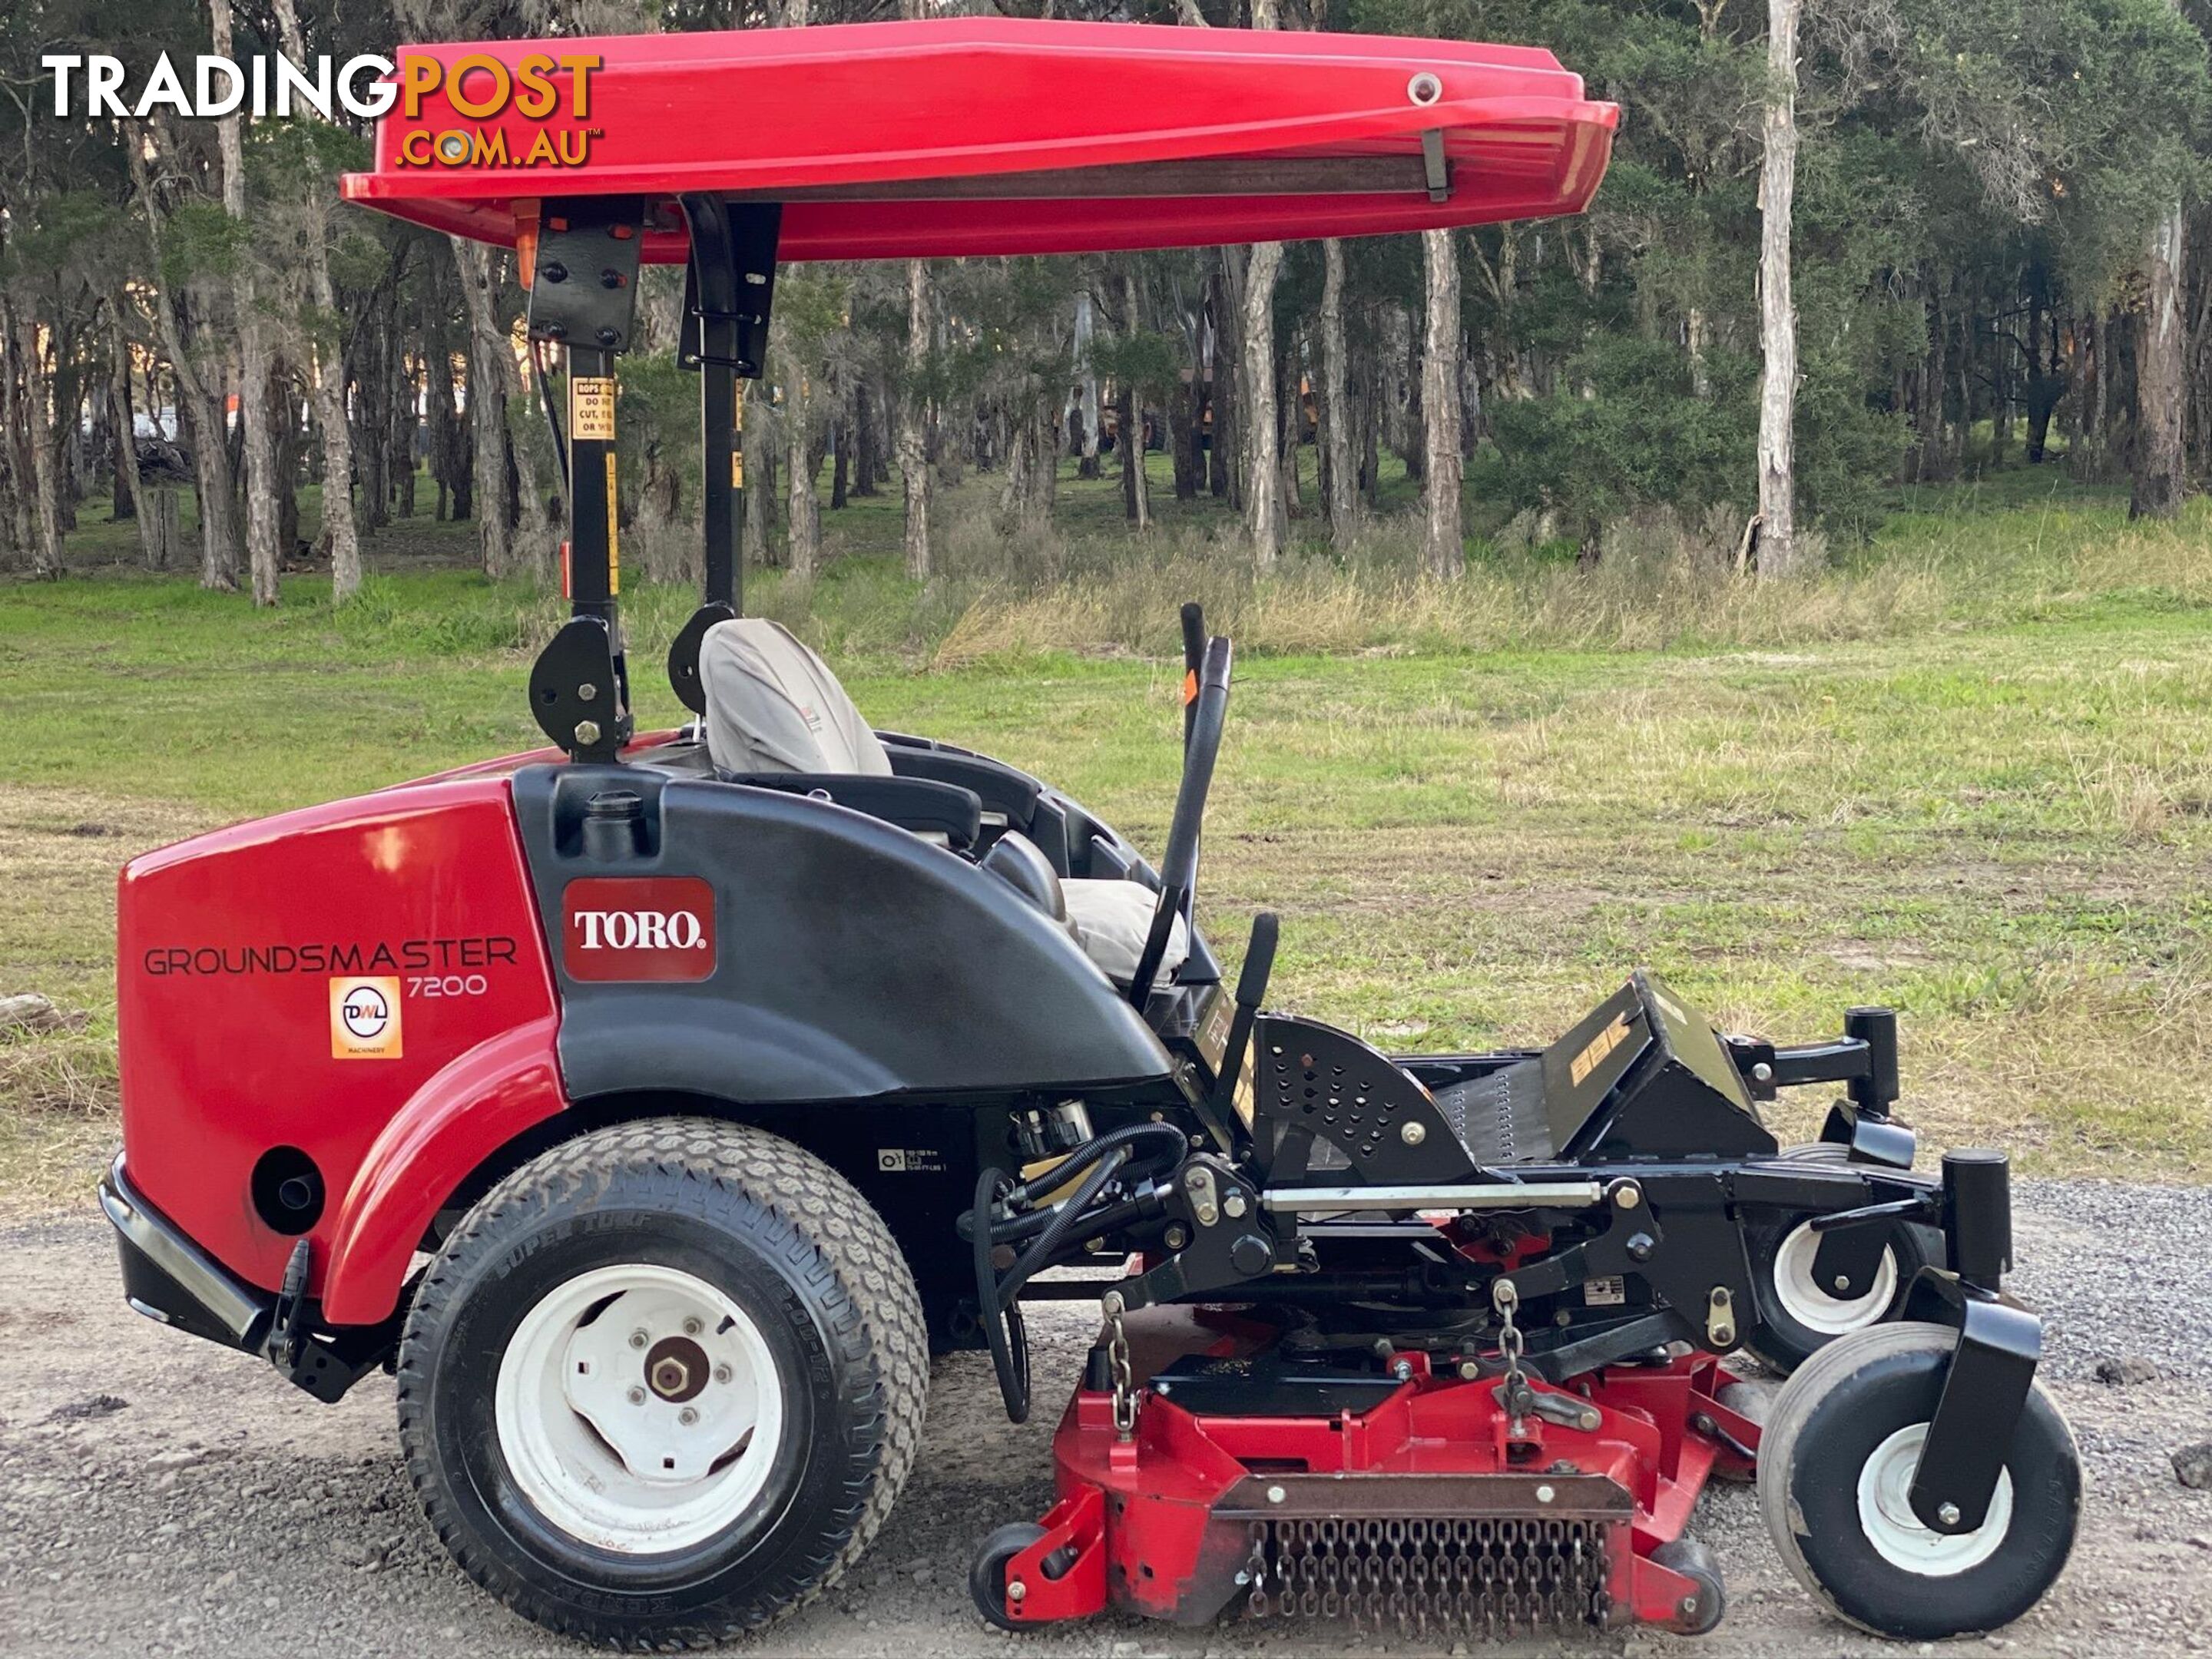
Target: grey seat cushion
(774, 705)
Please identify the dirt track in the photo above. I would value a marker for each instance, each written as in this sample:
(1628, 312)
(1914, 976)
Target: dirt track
(160, 1496)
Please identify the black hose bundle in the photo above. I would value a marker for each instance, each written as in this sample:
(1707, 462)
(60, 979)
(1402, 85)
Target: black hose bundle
(1105, 1158)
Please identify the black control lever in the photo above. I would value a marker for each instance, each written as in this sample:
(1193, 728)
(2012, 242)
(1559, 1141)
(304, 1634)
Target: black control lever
(1194, 660)
(1251, 991)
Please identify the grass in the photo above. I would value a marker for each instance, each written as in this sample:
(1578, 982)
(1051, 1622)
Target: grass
(1969, 772)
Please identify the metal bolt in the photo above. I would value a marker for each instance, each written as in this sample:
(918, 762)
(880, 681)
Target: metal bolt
(1640, 1247)
(721, 1373)
(1413, 1134)
(1163, 1388)
(1243, 1577)
(639, 1339)
(1403, 1371)
(1689, 1607)
(610, 337)
(587, 690)
(692, 1327)
(1545, 1494)
(1234, 1204)
(588, 731)
(1843, 1283)
(1468, 1371)
(1424, 89)
(687, 1417)
(1762, 1073)
(637, 1396)
(1948, 1514)
(1276, 1494)
(1017, 1590)
(1628, 1195)
(1176, 1239)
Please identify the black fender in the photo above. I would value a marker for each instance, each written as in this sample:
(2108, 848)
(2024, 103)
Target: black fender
(843, 959)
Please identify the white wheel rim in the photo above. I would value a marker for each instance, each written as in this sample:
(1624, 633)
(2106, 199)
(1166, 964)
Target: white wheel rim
(639, 1409)
(1819, 1309)
(1886, 1514)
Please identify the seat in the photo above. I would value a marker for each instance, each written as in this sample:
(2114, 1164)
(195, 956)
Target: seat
(774, 707)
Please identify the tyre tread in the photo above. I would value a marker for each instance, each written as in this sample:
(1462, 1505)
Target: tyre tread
(829, 1235)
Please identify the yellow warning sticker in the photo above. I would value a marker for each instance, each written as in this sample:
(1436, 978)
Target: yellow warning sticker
(365, 1018)
(614, 525)
(1599, 1047)
(591, 409)
(737, 469)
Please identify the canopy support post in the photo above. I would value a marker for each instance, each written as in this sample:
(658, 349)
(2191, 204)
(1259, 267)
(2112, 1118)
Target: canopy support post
(728, 290)
(582, 280)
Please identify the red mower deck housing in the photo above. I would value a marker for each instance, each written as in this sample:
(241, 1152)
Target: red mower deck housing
(1429, 1505)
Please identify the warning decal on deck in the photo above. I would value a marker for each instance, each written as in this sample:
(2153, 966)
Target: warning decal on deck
(591, 409)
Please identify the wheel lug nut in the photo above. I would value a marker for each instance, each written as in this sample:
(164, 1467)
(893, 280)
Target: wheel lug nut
(692, 1327)
(638, 1338)
(637, 1396)
(721, 1373)
(687, 1417)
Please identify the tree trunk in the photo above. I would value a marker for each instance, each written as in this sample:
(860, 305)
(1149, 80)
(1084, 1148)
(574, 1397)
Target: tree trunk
(255, 357)
(46, 526)
(1779, 552)
(151, 542)
(1263, 488)
(912, 418)
(1222, 389)
(1443, 544)
(1136, 487)
(199, 411)
(2161, 344)
(803, 511)
(1338, 477)
(493, 504)
(339, 531)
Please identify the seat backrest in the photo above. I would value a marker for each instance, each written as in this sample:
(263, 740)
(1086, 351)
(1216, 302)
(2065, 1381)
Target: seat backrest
(774, 705)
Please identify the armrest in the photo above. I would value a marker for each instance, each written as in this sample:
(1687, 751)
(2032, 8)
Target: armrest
(919, 803)
(999, 787)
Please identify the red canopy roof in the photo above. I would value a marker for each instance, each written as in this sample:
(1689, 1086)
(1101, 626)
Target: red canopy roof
(979, 136)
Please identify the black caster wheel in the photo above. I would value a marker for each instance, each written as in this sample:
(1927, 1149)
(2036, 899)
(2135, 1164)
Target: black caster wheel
(1838, 1460)
(1698, 1613)
(987, 1574)
(1797, 1315)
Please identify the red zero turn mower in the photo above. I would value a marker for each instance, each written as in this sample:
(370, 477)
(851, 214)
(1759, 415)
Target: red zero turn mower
(717, 1077)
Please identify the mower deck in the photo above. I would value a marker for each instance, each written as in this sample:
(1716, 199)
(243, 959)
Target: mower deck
(1402, 1493)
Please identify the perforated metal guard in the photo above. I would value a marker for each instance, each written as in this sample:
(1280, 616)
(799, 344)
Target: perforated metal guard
(1488, 1578)
(1314, 1082)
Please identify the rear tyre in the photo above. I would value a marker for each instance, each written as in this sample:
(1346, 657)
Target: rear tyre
(1838, 1458)
(662, 1385)
(1797, 1315)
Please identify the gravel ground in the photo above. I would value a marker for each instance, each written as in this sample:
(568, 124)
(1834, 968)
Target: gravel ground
(160, 1496)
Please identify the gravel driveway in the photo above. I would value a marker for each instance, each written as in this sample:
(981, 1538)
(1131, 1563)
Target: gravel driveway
(158, 1494)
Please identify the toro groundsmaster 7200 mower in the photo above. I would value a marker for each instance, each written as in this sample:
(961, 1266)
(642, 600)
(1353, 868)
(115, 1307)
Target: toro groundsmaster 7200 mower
(653, 1106)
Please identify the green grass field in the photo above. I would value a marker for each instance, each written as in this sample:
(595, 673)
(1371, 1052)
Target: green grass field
(1971, 774)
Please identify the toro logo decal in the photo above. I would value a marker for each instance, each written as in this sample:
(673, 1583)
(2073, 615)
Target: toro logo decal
(638, 928)
(365, 1018)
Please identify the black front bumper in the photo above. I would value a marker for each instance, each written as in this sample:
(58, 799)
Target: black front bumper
(169, 1278)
